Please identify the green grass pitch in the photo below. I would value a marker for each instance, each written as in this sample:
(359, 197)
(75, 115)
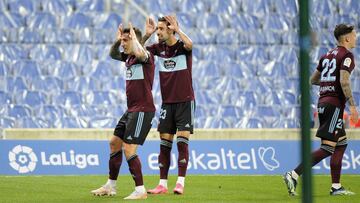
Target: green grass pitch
(198, 188)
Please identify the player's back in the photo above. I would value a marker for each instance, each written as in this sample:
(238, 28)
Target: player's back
(329, 66)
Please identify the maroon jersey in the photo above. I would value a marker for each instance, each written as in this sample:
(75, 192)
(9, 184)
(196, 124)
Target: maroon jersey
(175, 72)
(329, 66)
(139, 82)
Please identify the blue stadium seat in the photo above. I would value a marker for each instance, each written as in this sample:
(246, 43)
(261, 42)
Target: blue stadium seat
(101, 98)
(117, 84)
(80, 54)
(257, 7)
(15, 84)
(68, 98)
(103, 71)
(230, 111)
(276, 22)
(29, 36)
(27, 69)
(249, 123)
(31, 98)
(287, 7)
(50, 112)
(102, 122)
(4, 69)
(3, 83)
(186, 20)
(19, 111)
(210, 21)
(13, 20)
(45, 52)
(42, 21)
(78, 21)
(217, 122)
(5, 98)
(62, 36)
(23, 7)
(71, 122)
(49, 84)
(194, 7)
(103, 36)
(13, 52)
(90, 6)
(64, 70)
(32, 122)
(57, 6)
(7, 122)
(83, 84)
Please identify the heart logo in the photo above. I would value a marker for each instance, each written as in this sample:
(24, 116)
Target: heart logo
(267, 156)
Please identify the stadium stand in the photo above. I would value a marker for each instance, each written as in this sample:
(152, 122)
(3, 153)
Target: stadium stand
(55, 71)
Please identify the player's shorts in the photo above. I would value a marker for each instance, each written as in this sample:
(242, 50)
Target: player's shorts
(177, 117)
(133, 127)
(331, 122)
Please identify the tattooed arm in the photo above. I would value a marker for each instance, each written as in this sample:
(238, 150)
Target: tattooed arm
(345, 85)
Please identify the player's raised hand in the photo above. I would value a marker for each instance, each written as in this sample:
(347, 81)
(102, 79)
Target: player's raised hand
(354, 115)
(119, 32)
(132, 35)
(150, 26)
(174, 25)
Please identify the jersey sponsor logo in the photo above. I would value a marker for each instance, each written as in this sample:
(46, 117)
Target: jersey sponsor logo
(327, 89)
(347, 62)
(135, 72)
(173, 64)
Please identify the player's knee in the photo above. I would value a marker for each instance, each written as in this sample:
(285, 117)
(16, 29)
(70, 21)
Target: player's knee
(328, 148)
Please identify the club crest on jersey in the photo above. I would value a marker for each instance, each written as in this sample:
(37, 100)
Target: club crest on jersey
(347, 62)
(169, 64)
(129, 73)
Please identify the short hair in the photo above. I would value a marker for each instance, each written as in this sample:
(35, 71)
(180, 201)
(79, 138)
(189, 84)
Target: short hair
(137, 32)
(342, 29)
(163, 19)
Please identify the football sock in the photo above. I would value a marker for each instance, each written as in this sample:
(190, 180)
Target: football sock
(164, 158)
(317, 156)
(163, 182)
(336, 162)
(114, 164)
(111, 183)
(135, 169)
(181, 180)
(336, 185)
(183, 159)
(140, 189)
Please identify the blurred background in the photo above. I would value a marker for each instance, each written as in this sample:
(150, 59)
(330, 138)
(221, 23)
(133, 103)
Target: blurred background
(55, 71)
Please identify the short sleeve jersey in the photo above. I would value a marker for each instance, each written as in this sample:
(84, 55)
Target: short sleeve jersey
(175, 72)
(139, 82)
(329, 66)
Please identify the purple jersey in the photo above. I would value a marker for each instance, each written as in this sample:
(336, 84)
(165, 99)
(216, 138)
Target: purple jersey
(175, 72)
(329, 66)
(139, 81)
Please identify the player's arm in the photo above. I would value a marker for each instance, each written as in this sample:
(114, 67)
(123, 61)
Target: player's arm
(174, 25)
(114, 50)
(315, 78)
(150, 28)
(345, 85)
(138, 49)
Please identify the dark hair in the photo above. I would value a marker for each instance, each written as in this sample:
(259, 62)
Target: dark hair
(137, 32)
(163, 19)
(342, 29)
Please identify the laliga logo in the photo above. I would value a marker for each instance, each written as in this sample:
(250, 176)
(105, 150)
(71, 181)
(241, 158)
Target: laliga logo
(22, 159)
(267, 156)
